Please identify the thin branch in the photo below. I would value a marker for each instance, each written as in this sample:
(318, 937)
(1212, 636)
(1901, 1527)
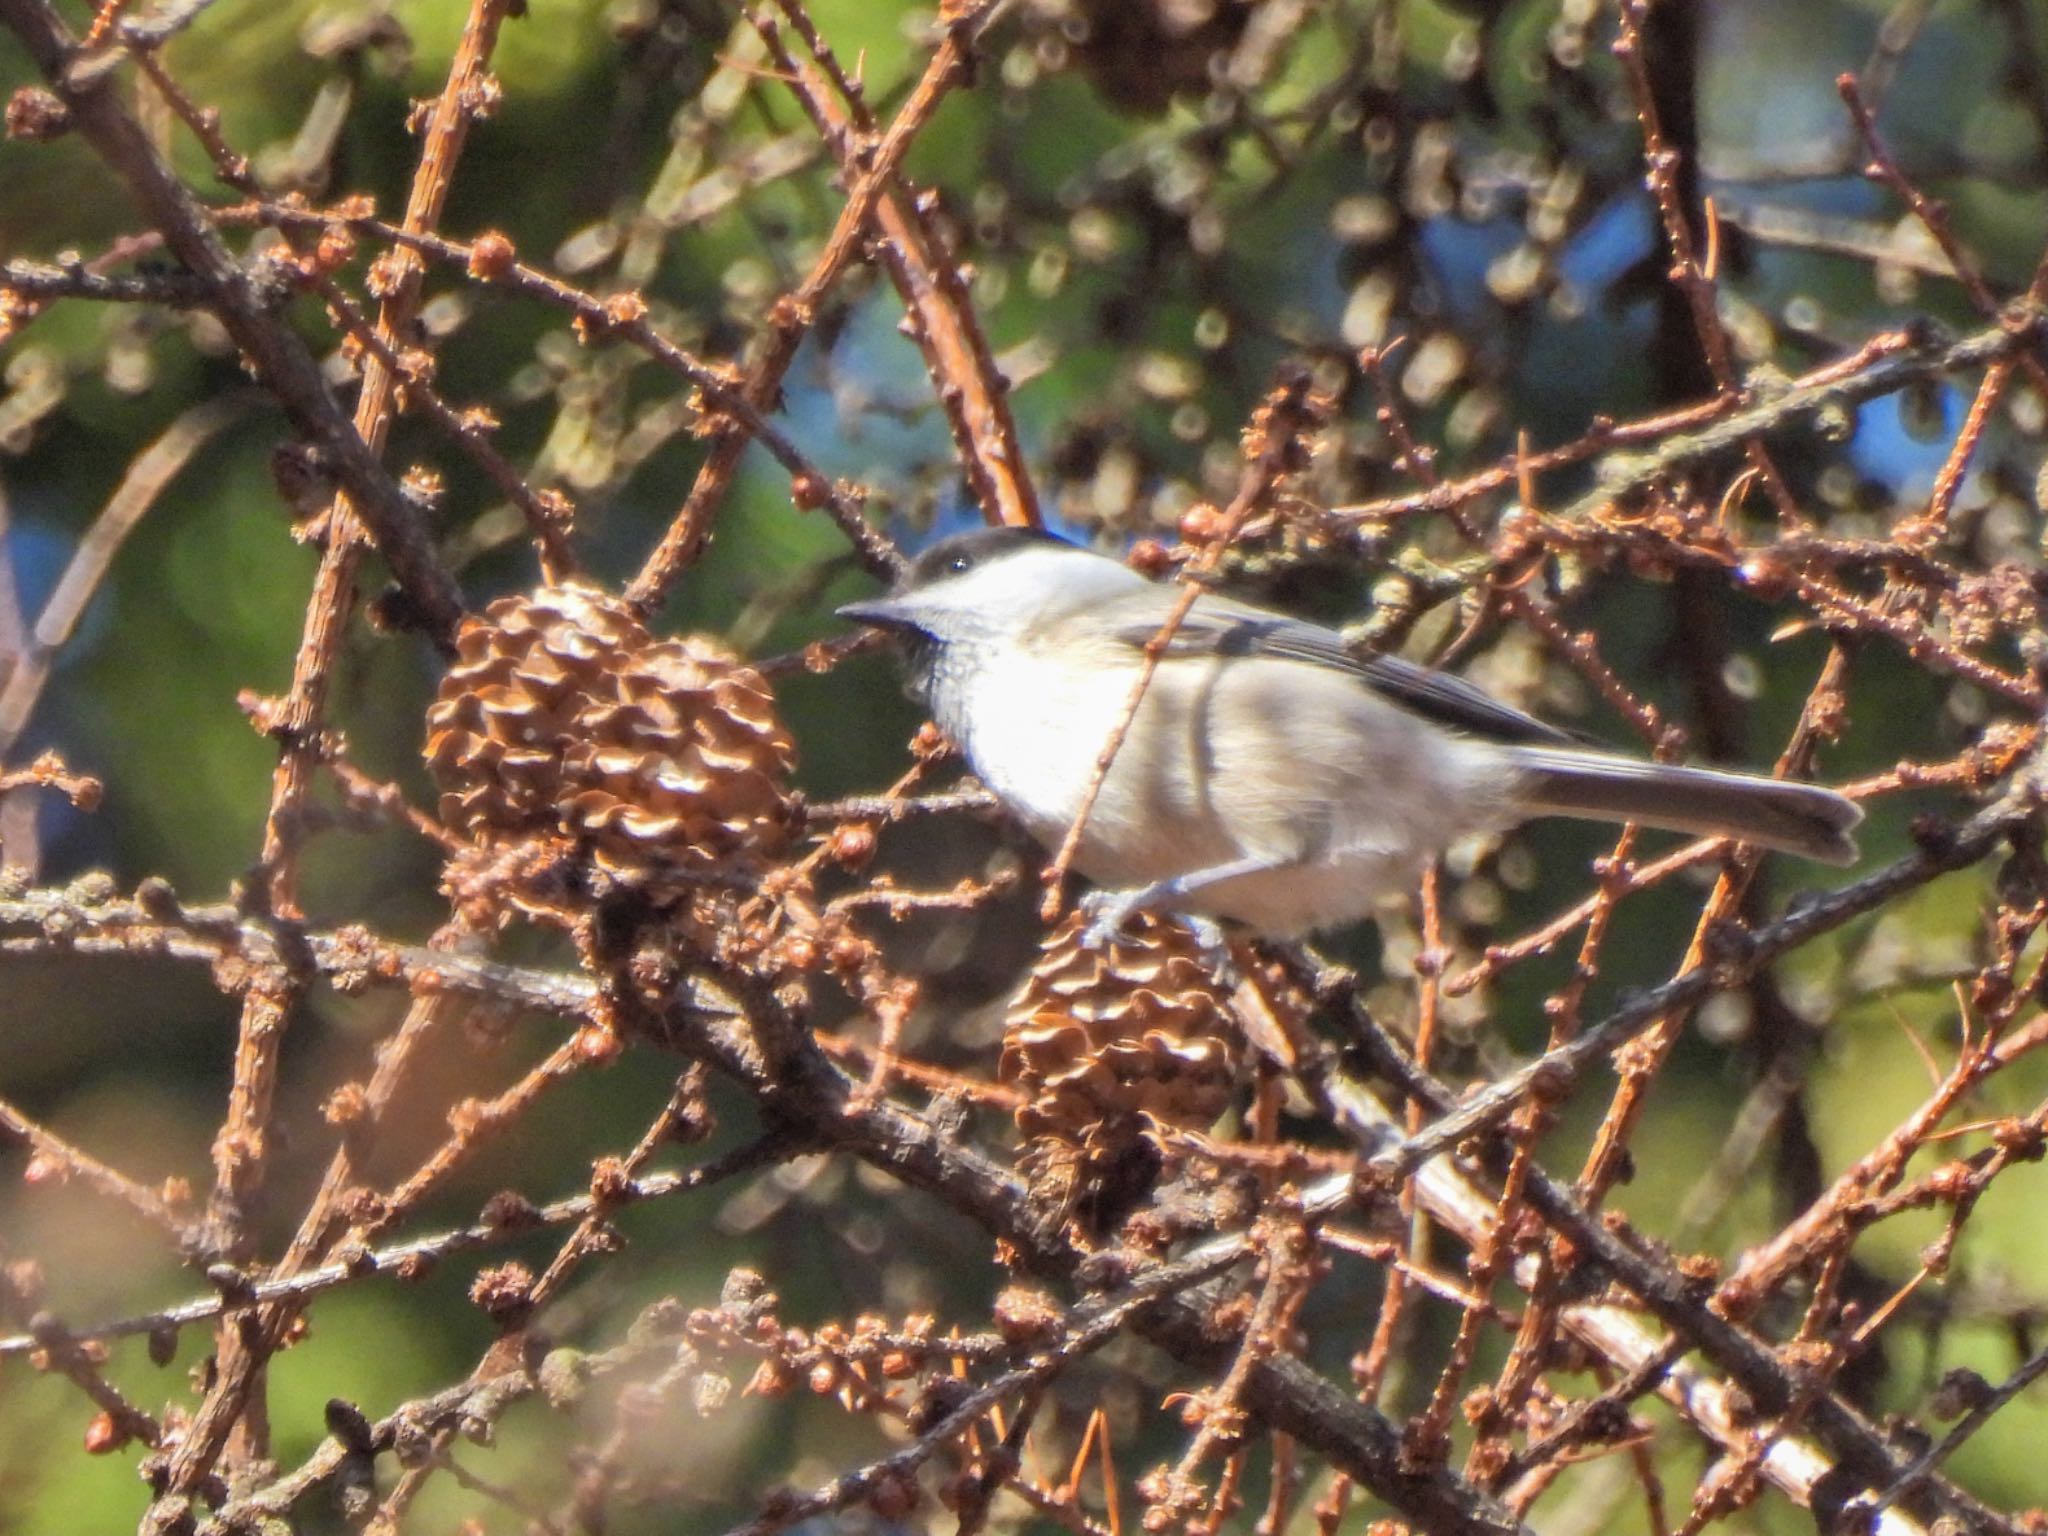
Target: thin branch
(623, 317)
(2031, 1371)
(247, 311)
(1886, 364)
(971, 389)
(792, 316)
(1275, 448)
(415, 1254)
(61, 1160)
(44, 283)
(1810, 917)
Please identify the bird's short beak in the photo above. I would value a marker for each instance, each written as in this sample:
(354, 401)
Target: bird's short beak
(881, 613)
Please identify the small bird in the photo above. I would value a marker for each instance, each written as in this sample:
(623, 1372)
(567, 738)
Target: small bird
(1271, 778)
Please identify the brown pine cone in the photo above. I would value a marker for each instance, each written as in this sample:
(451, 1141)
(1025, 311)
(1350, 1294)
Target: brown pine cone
(563, 717)
(1106, 1043)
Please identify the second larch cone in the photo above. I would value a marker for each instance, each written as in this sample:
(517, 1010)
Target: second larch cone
(1106, 1044)
(563, 717)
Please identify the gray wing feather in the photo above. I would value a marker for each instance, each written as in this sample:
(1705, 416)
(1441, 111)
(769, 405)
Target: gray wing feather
(1218, 627)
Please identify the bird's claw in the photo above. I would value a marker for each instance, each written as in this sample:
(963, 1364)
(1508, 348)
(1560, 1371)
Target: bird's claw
(1107, 912)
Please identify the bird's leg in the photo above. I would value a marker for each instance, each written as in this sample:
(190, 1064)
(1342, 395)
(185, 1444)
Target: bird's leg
(1108, 911)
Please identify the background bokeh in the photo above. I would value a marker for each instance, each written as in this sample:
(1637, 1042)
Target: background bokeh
(1149, 242)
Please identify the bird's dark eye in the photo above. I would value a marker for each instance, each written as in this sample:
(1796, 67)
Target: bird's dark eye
(960, 564)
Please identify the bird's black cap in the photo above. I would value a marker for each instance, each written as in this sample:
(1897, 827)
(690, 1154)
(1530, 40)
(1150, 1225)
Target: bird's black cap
(960, 553)
(952, 556)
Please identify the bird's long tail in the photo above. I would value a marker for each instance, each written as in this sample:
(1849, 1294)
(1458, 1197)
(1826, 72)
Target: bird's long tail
(1805, 819)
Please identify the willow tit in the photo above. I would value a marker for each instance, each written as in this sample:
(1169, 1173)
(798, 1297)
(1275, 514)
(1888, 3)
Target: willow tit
(1271, 777)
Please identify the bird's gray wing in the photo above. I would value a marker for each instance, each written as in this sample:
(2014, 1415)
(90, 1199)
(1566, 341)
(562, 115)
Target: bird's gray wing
(1218, 627)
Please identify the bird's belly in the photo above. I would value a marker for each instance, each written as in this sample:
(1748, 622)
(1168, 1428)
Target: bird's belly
(1341, 797)
(1326, 892)
(1035, 738)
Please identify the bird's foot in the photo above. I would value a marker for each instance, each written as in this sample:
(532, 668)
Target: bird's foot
(1108, 911)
